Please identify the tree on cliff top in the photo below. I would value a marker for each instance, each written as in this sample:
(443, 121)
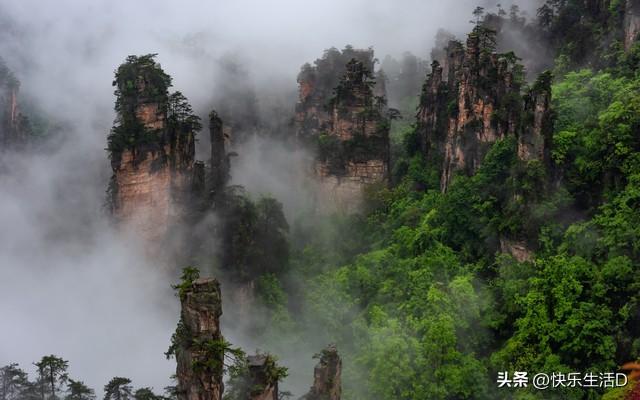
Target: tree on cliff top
(140, 77)
(139, 80)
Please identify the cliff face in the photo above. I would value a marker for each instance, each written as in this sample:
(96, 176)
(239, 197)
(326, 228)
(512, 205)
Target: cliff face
(220, 167)
(631, 22)
(199, 360)
(327, 382)
(349, 128)
(537, 122)
(152, 150)
(262, 387)
(473, 100)
(14, 127)
(316, 85)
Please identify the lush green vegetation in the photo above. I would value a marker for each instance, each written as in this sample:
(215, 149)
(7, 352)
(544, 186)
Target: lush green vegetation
(141, 81)
(254, 236)
(248, 381)
(421, 294)
(522, 266)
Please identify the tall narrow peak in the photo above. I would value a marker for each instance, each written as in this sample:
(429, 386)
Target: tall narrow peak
(537, 127)
(327, 381)
(479, 102)
(316, 85)
(220, 167)
(343, 115)
(14, 127)
(151, 147)
(198, 344)
(263, 386)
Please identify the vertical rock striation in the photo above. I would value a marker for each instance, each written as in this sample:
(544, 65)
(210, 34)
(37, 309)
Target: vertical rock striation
(219, 175)
(199, 343)
(631, 22)
(14, 127)
(152, 148)
(261, 386)
(343, 113)
(537, 126)
(475, 99)
(327, 383)
(316, 85)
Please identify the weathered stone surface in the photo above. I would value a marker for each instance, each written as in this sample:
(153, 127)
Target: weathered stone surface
(152, 182)
(343, 193)
(199, 369)
(478, 103)
(316, 85)
(261, 386)
(327, 381)
(14, 127)
(142, 199)
(349, 126)
(631, 22)
(517, 249)
(535, 135)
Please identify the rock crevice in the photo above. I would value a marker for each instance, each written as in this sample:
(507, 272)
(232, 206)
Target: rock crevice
(475, 99)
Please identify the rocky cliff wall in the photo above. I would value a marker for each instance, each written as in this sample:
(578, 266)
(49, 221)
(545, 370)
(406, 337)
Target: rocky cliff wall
(631, 22)
(475, 99)
(327, 376)
(262, 387)
(152, 149)
(14, 127)
(347, 126)
(200, 353)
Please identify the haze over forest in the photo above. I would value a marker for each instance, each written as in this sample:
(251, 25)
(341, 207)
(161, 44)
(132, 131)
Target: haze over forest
(446, 238)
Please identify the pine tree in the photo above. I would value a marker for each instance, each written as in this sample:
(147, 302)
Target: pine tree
(77, 390)
(52, 373)
(118, 388)
(13, 382)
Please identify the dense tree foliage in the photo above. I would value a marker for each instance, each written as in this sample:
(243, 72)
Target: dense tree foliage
(141, 82)
(52, 373)
(255, 239)
(420, 292)
(118, 388)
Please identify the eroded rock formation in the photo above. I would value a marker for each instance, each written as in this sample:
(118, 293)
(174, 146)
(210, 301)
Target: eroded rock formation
(473, 100)
(316, 85)
(534, 136)
(14, 127)
(327, 381)
(631, 22)
(344, 116)
(199, 344)
(262, 386)
(219, 175)
(152, 150)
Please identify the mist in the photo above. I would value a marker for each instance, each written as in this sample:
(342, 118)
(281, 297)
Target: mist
(70, 284)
